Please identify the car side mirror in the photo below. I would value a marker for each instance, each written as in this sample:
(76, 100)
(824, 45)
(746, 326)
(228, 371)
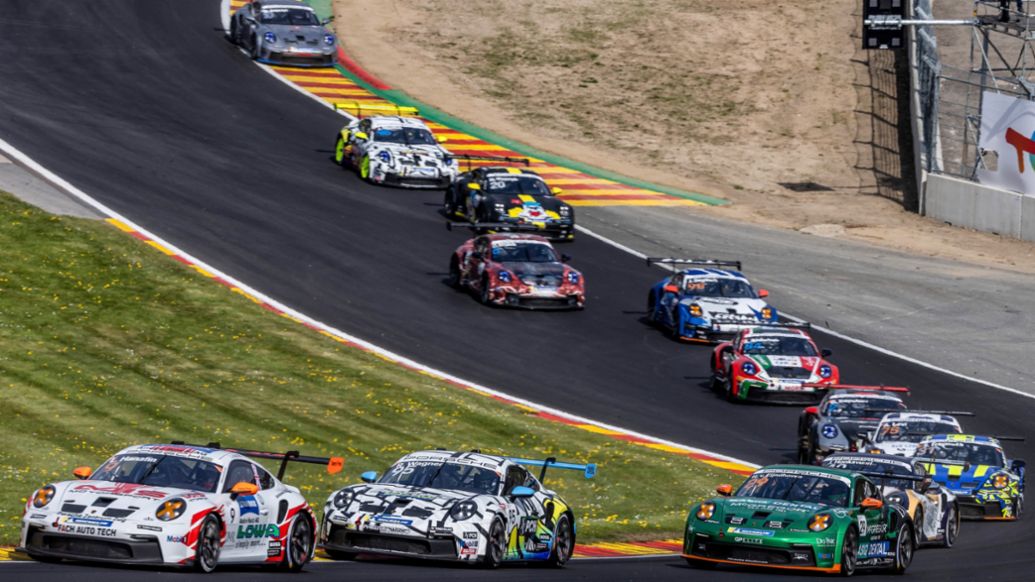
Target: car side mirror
(522, 491)
(670, 289)
(924, 485)
(82, 472)
(871, 503)
(966, 466)
(361, 135)
(826, 353)
(473, 186)
(327, 20)
(556, 191)
(725, 489)
(244, 488)
(249, 19)
(762, 293)
(565, 258)
(369, 477)
(812, 410)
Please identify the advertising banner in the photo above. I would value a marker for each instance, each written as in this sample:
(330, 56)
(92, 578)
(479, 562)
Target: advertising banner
(1007, 143)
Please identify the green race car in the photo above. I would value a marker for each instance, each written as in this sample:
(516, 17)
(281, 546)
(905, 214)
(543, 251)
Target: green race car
(801, 517)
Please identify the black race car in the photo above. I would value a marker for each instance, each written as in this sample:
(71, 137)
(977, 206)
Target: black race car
(507, 195)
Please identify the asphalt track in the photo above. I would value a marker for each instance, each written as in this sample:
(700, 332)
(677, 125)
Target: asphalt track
(145, 106)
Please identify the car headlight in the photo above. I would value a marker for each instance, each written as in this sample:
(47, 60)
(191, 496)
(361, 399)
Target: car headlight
(767, 313)
(464, 510)
(749, 368)
(328, 39)
(384, 156)
(505, 277)
(43, 496)
(1000, 480)
(170, 510)
(705, 511)
(270, 38)
(342, 499)
(695, 310)
(820, 522)
(825, 371)
(573, 277)
(500, 208)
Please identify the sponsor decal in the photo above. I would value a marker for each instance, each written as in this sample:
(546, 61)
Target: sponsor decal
(37, 515)
(148, 527)
(826, 541)
(176, 539)
(874, 550)
(829, 431)
(122, 489)
(470, 535)
(736, 520)
(247, 532)
(274, 549)
(755, 541)
(877, 528)
(86, 521)
(862, 523)
(247, 505)
(751, 532)
(468, 551)
(392, 519)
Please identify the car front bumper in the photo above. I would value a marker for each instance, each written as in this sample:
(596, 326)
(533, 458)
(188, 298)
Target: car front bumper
(780, 554)
(50, 544)
(429, 548)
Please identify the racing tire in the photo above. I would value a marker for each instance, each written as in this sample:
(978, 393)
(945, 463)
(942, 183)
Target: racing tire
(206, 556)
(1018, 507)
(650, 309)
(340, 155)
(485, 294)
(849, 552)
(564, 543)
(905, 545)
(364, 168)
(919, 519)
(727, 388)
(804, 446)
(952, 528)
(340, 555)
(454, 273)
(496, 545)
(299, 544)
(254, 52)
(235, 31)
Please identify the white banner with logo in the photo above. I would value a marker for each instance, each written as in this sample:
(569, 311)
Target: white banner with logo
(1007, 143)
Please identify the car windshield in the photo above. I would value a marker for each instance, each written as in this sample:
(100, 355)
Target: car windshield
(515, 184)
(956, 452)
(442, 475)
(718, 288)
(912, 431)
(779, 346)
(160, 471)
(524, 252)
(862, 407)
(875, 467)
(404, 135)
(289, 16)
(800, 487)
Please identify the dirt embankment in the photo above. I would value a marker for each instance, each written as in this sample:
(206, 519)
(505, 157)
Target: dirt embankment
(746, 100)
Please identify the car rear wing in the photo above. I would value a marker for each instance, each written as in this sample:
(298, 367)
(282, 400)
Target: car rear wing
(784, 325)
(1018, 439)
(588, 470)
(948, 412)
(859, 388)
(497, 159)
(508, 226)
(360, 109)
(891, 476)
(334, 464)
(694, 262)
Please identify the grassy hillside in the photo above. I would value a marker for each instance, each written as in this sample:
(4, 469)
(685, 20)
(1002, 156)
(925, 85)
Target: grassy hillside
(104, 342)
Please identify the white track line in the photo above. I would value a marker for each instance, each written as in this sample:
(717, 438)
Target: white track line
(836, 334)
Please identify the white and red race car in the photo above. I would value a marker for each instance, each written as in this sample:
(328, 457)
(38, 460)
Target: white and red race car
(175, 505)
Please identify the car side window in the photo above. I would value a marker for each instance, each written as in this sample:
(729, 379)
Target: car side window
(514, 479)
(530, 481)
(266, 480)
(239, 471)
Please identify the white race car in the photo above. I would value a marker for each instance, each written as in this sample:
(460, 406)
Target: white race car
(395, 150)
(899, 433)
(458, 506)
(175, 505)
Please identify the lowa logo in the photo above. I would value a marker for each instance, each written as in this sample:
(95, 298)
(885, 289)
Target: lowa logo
(247, 532)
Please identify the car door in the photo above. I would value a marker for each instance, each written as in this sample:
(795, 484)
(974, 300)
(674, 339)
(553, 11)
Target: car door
(360, 146)
(249, 23)
(669, 301)
(477, 262)
(873, 523)
(250, 522)
(532, 534)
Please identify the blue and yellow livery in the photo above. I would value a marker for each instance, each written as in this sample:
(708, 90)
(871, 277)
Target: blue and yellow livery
(987, 485)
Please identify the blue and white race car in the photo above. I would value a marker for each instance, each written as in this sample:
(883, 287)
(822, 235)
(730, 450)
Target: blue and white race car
(707, 302)
(987, 484)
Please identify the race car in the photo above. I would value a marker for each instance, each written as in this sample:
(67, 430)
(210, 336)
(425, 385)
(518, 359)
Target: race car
(516, 270)
(800, 517)
(283, 32)
(898, 433)
(459, 506)
(933, 509)
(987, 484)
(175, 505)
(707, 302)
(777, 362)
(507, 195)
(395, 151)
(843, 419)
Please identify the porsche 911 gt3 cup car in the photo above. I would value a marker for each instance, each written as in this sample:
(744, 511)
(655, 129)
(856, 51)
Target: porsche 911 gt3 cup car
(283, 32)
(468, 507)
(777, 362)
(933, 509)
(175, 505)
(987, 484)
(516, 270)
(397, 151)
(706, 303)
(843, 419)
(506, 195)
(898, 433)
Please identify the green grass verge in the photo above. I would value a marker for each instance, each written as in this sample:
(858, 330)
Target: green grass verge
(104, 342)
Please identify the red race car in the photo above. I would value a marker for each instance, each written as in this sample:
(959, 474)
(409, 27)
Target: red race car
(775, 362)
(517, 270)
